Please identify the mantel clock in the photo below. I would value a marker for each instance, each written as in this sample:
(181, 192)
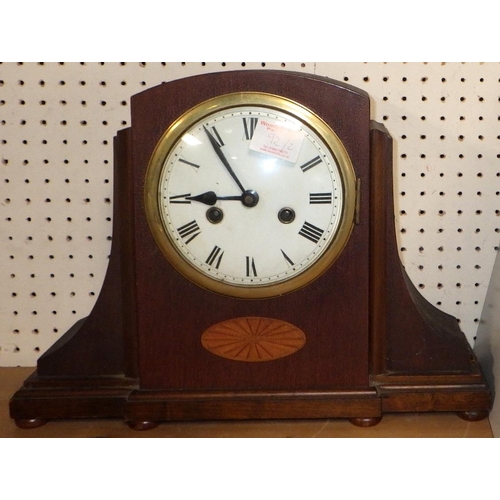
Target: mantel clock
(254, 271)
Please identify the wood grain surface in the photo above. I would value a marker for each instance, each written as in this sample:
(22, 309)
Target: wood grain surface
(432, 425)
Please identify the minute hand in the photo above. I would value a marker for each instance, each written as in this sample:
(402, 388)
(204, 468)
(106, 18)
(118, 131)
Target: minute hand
(223, 159)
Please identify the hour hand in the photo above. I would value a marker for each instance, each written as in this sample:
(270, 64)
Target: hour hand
(210, 198)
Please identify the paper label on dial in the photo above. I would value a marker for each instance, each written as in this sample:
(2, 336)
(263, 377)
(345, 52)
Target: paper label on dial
(276, 139)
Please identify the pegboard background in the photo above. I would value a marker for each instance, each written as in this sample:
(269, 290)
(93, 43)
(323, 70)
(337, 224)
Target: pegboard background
(57, 123)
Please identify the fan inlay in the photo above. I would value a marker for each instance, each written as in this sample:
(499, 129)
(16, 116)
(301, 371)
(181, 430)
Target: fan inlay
(253, 339)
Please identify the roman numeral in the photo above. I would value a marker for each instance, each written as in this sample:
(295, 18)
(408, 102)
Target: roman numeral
(290, 261)
(320, 198)
(190, 230)
(310, 164)
(249, 125)
(191, 164)
(311, 232)
(180, 199)
(251, 269)
(216, 137)
(215, 256)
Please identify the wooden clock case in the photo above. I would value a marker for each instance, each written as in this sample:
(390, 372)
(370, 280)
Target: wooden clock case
(373, 343)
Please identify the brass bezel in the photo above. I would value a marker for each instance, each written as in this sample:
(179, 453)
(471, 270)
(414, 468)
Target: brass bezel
(169, 140)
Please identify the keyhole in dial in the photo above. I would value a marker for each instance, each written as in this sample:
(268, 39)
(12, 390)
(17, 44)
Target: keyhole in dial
(286, 215)
(215, 215)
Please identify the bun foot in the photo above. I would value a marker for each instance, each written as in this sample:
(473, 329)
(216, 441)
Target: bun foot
(30, 423)
(474, 415)
(365, 422)
(143, 425)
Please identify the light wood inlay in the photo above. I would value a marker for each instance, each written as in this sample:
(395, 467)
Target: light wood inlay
(253, 339)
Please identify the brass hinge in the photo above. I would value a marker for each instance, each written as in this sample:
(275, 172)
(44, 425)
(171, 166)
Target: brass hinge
(358, 201)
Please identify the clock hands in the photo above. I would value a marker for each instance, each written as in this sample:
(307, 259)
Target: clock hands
(248, 197)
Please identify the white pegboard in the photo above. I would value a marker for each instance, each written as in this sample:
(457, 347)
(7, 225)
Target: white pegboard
(57, 123)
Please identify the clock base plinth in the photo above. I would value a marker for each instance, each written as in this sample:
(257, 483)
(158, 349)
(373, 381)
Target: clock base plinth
(52, 398)
(160, 406)
(467, 395)
(44, 398)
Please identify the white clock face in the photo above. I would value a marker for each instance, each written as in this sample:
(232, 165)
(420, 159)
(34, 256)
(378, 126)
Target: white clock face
(250, 197)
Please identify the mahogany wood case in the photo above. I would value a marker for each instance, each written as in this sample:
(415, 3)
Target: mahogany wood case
(373, 344)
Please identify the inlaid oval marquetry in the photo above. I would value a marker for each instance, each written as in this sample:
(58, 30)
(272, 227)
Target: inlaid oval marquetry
(253, 339)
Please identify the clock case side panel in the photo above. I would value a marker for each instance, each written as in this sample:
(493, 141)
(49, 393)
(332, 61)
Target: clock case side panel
(91, 369)
(421, 360)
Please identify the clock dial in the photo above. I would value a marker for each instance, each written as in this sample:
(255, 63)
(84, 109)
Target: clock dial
(250, 195)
